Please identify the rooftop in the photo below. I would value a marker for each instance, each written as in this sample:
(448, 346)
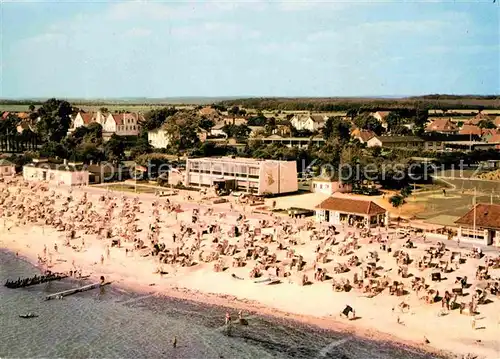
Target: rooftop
(355, 206)
(402, 139)
(4, 163)
(487, 216)
(57, 166)
(234, 160)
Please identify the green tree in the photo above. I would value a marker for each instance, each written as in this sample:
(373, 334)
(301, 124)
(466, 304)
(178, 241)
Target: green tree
(53, 150)
(206, 123)
(54, 120)
(270, 126)
(240, 132)
(142, 147)
(89, 152)
(486, 124)
(336, 127)
(406, 191)
(156, 118)
(94, 133)
(259, 120)
(393, 120)
(367, 122)
(396, 200)
(114, 149)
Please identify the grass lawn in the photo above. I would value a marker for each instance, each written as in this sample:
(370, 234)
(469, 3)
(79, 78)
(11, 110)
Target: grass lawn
(130, 188)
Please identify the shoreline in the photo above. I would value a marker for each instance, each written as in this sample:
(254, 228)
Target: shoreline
(254, 307)
(317, 304)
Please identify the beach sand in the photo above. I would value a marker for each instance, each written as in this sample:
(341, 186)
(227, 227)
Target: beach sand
(316, 304)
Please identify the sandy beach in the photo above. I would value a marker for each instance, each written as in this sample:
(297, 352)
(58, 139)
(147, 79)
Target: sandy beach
(131, 265)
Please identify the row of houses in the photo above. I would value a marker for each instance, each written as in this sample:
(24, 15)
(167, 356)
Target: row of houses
(431, 142)
(121, 124)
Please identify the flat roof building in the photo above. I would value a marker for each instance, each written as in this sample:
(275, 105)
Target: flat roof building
(243, 174)
(65, 173)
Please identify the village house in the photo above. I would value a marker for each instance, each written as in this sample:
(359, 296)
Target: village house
(381, 116)
(470, 129)
(217, 130)
(497, 121)
(208, 112)
(7, 168)
(299, 142)
(442, 125)
(349, 211)
(159, 138)
(83, 119)
(329, 186)
(123, 124)
(283, 129)
(462, 112)
(69, 174)
(495, 139)
(308, 122)
(481, 225)
(256, 130)
(25, 125)
(362, 135)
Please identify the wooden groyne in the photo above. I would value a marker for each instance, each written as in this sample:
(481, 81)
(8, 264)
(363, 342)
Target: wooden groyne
(37, 279)
(68, 292)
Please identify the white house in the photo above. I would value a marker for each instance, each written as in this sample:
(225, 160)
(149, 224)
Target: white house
(159, 138)
(308, 122)
(381, 116)
(123, 124)
(83, 119)
(217, 130)
(351, 212)
(7, 168)
(86, 118)
(68, 174)
(328, 186)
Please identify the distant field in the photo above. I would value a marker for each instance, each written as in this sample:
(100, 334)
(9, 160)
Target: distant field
(110, 107)
(14, 108)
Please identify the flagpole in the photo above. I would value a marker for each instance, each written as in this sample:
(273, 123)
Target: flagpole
(474, 223)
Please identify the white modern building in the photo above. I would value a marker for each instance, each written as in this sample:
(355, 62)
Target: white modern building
(68, 174)
(328, 186)
(349, 211)
(243, 174)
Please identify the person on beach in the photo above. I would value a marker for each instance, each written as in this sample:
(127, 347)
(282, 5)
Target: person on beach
(228, 318)
(174, 342)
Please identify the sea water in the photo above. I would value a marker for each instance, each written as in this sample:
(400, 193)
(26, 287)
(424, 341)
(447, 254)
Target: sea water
(112, 323)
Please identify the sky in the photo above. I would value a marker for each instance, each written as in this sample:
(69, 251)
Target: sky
(156, 49)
